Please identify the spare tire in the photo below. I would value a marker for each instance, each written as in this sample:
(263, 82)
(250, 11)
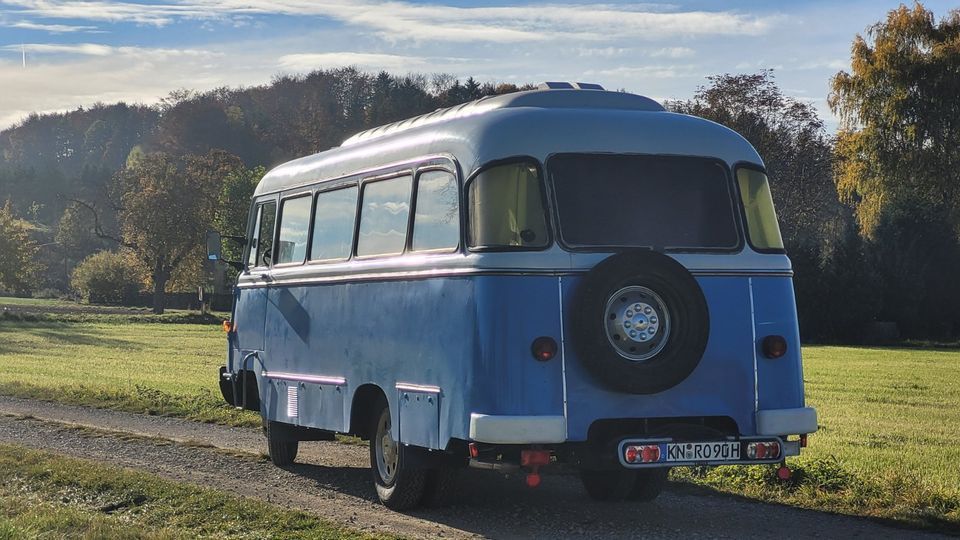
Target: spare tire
(641, 322)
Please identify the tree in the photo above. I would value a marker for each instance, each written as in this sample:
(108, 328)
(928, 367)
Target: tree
(18, 249)
(165, 206)
(108, 277)
(899, 142)
(817, 228)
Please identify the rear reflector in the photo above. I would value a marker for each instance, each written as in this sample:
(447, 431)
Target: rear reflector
(643, 453)
(529, 458)
(774, 346)
(763, 450)
(544, 348)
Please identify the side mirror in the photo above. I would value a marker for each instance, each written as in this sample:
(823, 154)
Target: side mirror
(214, 246)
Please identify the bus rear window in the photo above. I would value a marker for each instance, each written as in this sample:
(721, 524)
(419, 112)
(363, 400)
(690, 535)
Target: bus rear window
(643, 201)
(758, 209)
(506, 208)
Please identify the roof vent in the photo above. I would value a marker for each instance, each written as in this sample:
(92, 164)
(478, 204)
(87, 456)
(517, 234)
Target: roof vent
(560, 85)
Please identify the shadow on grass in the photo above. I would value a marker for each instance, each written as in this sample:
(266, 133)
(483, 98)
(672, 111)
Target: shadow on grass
(55, 334)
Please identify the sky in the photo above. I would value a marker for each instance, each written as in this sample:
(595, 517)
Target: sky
(57, 55)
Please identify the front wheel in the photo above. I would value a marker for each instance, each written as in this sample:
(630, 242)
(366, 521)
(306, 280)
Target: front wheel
(400, 484)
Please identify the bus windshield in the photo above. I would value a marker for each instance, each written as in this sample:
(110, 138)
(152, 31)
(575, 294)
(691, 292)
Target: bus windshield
(643, 201)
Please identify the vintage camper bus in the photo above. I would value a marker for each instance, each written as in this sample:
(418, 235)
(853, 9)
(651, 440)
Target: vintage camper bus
(563, 275)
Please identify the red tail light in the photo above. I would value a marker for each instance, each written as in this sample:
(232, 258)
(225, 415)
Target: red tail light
(646, 453)
(530, 458)
(763, 450)
(544, 348)
(774, 346)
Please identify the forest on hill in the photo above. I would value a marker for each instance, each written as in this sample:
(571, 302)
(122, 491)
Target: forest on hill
(115, 197)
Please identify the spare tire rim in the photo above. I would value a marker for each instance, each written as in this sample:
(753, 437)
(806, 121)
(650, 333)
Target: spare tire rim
(637, 323)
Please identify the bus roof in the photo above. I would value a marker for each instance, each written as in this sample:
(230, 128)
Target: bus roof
(533, 123)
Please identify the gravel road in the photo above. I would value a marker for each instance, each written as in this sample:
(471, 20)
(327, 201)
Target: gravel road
(331, 479)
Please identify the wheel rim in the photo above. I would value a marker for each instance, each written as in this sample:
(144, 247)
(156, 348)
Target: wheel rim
(386, 450)
(637, 323)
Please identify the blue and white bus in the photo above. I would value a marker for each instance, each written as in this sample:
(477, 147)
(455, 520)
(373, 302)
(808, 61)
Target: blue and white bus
(563, 275)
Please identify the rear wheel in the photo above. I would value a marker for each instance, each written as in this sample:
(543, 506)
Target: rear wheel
(608, 485)
(399, 482)
(649, 484)
(282, 451)
(440, 486)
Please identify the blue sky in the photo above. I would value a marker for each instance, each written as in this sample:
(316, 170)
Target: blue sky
(82, 52)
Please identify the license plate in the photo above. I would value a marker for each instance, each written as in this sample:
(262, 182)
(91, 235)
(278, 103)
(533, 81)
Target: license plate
(702, 451)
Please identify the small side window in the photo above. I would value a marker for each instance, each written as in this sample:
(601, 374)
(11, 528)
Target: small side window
(294, 227)
(333, 220)
(436, 222)
(383, 217)
(261, 244)
(506, 208)
(758, 208)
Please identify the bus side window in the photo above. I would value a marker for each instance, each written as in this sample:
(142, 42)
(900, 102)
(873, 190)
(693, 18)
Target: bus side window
(436, 222)
(294, 227)
(506, 208)
(261, 244)
(383, 217)
(333, 219)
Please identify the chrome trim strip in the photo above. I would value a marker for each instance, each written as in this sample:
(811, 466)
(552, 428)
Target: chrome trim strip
(410, 387)
(563, 357)
(753, 330)
(250, 283)
(302, 377)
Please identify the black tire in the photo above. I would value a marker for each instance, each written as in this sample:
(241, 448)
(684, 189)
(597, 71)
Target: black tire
(404, 486)
(608, 485)
(282, 451)
(649, 484)
(687, 313)
(440, 487)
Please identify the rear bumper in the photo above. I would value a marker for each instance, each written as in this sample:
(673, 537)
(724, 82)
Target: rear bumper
(800, 421)
(517, 429)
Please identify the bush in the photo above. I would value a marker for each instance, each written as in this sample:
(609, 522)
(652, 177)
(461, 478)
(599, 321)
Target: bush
(107, 277)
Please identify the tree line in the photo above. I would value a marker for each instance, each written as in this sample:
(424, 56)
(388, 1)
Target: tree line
(870, 215)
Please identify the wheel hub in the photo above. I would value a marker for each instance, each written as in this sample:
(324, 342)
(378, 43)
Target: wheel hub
(386, 449)
(637, 323)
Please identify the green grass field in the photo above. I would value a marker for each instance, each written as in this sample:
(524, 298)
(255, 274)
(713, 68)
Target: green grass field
(152, 368)
(889, 445)
(43, 495)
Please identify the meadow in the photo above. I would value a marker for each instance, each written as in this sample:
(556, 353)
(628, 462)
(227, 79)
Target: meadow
(888, 445)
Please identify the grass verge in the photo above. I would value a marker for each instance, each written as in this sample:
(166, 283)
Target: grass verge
(888, 444)
(153, 369)
(43, 495)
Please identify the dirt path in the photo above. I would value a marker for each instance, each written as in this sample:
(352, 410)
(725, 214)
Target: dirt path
(331, 479)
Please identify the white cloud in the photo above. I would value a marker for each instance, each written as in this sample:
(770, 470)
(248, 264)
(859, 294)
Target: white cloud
(55, 28)
(96, 49)
(648, 72)
(311, 61)
(397, 20)
(94, 74)
(673, 52)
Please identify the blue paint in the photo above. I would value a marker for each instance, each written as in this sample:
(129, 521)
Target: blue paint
(444, 336)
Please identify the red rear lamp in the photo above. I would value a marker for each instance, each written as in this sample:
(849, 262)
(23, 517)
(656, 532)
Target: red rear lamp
(650, 453)
(774, 346)
(537, 458)
(631, 454)
(544, 348)
(763, 450)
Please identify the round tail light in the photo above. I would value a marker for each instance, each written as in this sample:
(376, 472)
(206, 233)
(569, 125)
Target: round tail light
(544, 348)
(774, 346)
